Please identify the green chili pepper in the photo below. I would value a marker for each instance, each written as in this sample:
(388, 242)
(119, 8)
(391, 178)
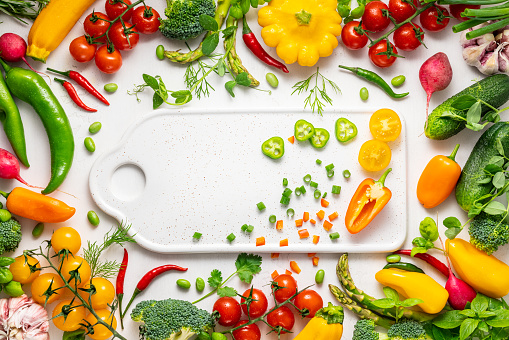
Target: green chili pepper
(13, 126)
(345, 130)
(375, 79)
(319, 138)
(404, 266)
(274, 147)
(303, 130)
(29, 86)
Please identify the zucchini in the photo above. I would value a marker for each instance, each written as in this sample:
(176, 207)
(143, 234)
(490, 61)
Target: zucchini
(468, 188)
(494, 90)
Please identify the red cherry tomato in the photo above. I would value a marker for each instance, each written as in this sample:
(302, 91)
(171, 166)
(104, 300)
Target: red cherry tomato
(405, 37)
(381, 60)
(229, 311)
(401, 10)
(374, 19)
(351, 39)
(119, 36)
(259, 304)
(281, 317)
(251, 332)
(146, 19)
(114, 8)
(81, 50)
(95, 25)
(290, 285)
(310, 300)
(108, 62)
(456, 10)
(434, 19)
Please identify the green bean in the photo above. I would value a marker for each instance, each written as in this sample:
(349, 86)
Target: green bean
(364, 94)
(393, 258)
(38, 229)
(5, 215)
(200, 284)
(89, 144)
(110, 87)
(183, 283)
(398, 81)
(160, 52)
(95, 127)
(272, 79)
(319, 276)
(93, 218)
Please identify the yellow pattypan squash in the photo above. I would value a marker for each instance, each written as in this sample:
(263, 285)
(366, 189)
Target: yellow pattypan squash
(301, 30)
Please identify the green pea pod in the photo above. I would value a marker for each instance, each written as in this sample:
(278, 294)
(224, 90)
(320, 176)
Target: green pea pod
(14, 289)
(28, 86)
(404, 266)
(5, 275)
(11, 121)
(6, 261)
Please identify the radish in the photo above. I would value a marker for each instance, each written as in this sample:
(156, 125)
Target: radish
(9, 167)
(435, 75)
(13, 48)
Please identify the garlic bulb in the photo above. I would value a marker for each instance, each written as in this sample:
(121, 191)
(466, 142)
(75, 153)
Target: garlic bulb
(22, 318)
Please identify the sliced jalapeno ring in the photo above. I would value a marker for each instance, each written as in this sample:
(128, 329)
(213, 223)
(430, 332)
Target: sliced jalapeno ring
(274, 147)
(345, 130)
(404, 266)
(319, 138)
(303, 130)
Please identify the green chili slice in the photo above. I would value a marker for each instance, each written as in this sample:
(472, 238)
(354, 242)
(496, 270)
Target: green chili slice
(345, 130)
(272, 218)
(317, 194)
(307, 178)
(274, 147)
(303, 130)
(290, 212)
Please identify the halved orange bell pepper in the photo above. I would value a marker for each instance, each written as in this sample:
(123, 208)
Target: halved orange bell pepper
(369, 199)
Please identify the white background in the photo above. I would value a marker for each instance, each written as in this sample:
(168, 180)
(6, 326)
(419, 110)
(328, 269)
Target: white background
(124, 110)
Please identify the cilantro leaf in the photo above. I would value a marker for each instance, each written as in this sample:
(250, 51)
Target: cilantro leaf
(247, 265)
(215, 278)
(226, 291)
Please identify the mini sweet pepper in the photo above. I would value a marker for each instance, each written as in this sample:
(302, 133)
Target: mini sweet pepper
(327, 324)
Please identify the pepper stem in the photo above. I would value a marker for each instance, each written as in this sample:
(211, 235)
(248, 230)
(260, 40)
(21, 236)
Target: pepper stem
(352, 69)
(119, 299)
(59, 72)
(384, 176)
(303, 17)
(58, 80)
(6, 67)
(136, 292)
(3, 193)
(454, 152)
(245, 27)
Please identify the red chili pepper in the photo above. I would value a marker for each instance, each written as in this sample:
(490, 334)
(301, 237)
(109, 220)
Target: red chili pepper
(439, 265)
(74, 95)
(120, 284)
(83, 82)
(257, 49)
(148, 277)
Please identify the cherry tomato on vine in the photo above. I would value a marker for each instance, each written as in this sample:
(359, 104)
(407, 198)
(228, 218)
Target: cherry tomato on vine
(146, 19)
(287, 281)
(374, 19)
(310, 300)
(435, 18)
(66, 238)
(96, 24)
(229, 309)
(20, 269)
(124, 38)
(71, 263)
(401, 10)
(259, 304)
(100, 331)
(81, 50)
(381, 60)
(456, 10)
(282, 317)
(41, 285)
(114, 8)
(251, 332)
(351, 38)
(104, 293)
(405, 37)
(108, 62)
(73, 318)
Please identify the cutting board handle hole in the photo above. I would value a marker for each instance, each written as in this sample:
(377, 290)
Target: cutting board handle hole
(128, 182)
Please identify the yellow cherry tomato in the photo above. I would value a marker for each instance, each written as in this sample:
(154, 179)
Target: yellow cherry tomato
(100, 331)
(71, 263)
(66, 238)
(20, 269)
(41, 285)
(104, 292)
(385, 125)
(74, 316)
(374, 155)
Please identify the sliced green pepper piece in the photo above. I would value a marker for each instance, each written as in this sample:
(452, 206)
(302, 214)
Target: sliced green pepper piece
(303, 130)
(345, 130)
(274, 147)
(319, 138)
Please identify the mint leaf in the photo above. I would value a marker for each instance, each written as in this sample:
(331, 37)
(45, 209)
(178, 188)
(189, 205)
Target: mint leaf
(248, 265)
(215, 278)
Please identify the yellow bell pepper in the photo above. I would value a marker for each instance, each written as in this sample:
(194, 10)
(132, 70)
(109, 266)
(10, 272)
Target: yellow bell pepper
(327, 324)
(52, 25)
(416, 286)
(301, 30)
(485, 273)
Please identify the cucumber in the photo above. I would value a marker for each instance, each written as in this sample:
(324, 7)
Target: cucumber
(494, 90)
(468, 189)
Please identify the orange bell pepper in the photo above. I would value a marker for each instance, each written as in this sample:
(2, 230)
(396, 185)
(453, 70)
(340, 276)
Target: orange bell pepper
(438, 179)
(36, 206)
(369, 199)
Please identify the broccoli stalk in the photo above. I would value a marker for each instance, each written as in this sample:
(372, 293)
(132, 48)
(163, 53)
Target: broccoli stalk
(488, 232)
(404, 330)
(10, 235)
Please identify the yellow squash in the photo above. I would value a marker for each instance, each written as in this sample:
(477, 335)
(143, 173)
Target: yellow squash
(52, 25)
(485, 273)
(301, 30)
(327, 324)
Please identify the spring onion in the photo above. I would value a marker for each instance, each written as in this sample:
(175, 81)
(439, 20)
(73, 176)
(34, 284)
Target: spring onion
(313, 184)
(346, 174)
(230, 237)
(272, 218)
(197, 235)
(287, 192)
(318, 162)
(324, 195)
(247, 228)
(297, 191)
(330, 173)
(302, 190)
(334, 236)
(285, 200)
(307, 178)
(329, 167)
(244, 227)
(285, 182)
(290, 212)
(336, 189)
(317, 194)
(260, 206)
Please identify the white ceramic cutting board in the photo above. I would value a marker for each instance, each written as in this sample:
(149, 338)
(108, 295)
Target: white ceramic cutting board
(177, 172)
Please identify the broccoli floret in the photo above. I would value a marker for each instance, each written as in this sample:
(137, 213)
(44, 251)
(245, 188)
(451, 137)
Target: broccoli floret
(488, 232)
(170, 319)
(407, 330)
(364, 329)
(10, 235)
(183, 18)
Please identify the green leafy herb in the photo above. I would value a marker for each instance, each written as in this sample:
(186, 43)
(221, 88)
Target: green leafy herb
(226, 291)
(22, 9)
(215, 278)
(474, 119)
(161, 93)
(241, 79)
(392, 300)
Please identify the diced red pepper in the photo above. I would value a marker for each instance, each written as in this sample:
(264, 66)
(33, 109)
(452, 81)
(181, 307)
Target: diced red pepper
(274, 255)
(311, 254)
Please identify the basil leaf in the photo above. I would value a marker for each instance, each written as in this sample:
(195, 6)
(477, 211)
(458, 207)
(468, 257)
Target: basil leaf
(384, 303)
(499, 180)
(474, 113)
(236, 12)
(500, 320)
(391, 294)
(495, 208)
(486, 314)
(151, 81)
(464, 102)
(467, 327)
(469, 313)
(411, 302)
(229, 87)
(210, 43)
(254, 3)
(452, 222)
(417, 250)
(208, 23)
(479, 303)
(449, 320)
(483, 327)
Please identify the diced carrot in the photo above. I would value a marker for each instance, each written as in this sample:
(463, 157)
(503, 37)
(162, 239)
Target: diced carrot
(295, 267)
(311, 254)
(327, 225)
(274, 274)
(260, 241)
(315, 260)
(283, 243)
(274, 255)
(303, 233)
(324, 203)
(312, 221)
(316, 238)
(320, 215)
(287, 272)
(298, 223)
(279, 225)
(305, 218)
(333, 216)
(291, 139)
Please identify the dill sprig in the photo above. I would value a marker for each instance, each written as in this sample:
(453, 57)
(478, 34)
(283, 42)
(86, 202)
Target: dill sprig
(318, 93)
(196, 73)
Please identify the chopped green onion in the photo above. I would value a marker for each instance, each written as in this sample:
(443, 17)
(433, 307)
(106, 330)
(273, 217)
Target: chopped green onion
(329, 167)
(272, 218)
(334, 236)
(250, 228)
(230, 237)
(287, 192)
(330, 173)
(346, 174)
(297, 191)
(197, 235)
(302, 190)
(285, 182)
(260, 206)
(285, 200)
(336, 189)
(290, 212)
(317, 194)
(313, 184)
(307, 178)
(324, 195)
(244, 227)
(318, 162)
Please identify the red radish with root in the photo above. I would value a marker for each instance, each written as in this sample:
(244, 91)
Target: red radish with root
(13, 48)
(9, 167)
(435, 75)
